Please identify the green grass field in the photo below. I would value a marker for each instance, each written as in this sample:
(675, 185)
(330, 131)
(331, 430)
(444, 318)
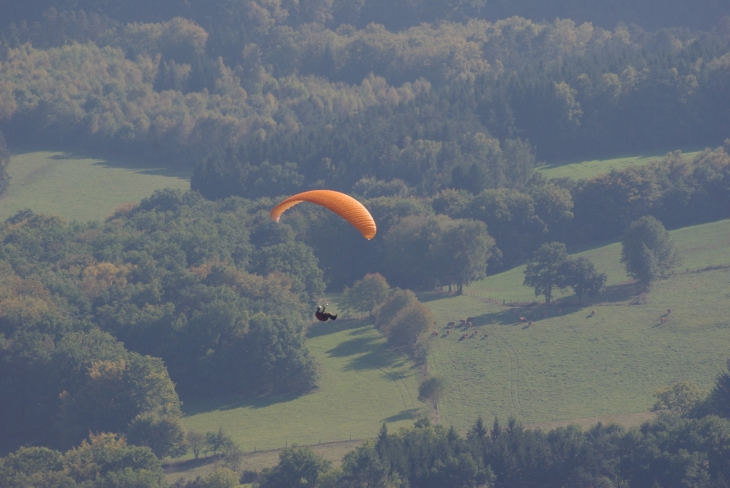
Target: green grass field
(565, 367)
(568, 365)
(79, 187)
(363, 384)
(582, 170)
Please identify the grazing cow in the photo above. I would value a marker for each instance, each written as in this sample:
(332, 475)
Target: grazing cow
(485, 336)
(448, 332)
(663, 319)
(593, 313)
(468, 325)
(435, 333)
(462, 321)
(450, 325)
(669, 311)
(529, 323)
(523, 319)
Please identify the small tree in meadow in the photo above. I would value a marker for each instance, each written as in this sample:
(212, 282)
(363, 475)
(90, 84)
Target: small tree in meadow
(196, 441)
(543, 273)
(385, 312)
(409, 325)
(218, 441)
(648, 251)
(431, 390)
(581, 275)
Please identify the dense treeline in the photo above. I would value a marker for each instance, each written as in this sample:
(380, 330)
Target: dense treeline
(416, 241)
(396, 15)
(309, 104)
(598, 96)
(105, 460)
(219, 298)
(667, 452)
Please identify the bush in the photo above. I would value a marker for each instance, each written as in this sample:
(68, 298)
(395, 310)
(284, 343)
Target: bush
(409, 326)
(385, 312)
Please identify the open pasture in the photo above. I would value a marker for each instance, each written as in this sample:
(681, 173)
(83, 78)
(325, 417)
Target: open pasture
(582, 170)
(569, 364)
(363, 383)
(82, 188)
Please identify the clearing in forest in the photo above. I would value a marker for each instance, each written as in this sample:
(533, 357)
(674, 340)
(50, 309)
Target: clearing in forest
(79, 187)
(582, 170)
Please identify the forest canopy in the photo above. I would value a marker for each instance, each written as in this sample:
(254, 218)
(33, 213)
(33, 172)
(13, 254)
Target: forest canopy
(433, 114)
(280, 97)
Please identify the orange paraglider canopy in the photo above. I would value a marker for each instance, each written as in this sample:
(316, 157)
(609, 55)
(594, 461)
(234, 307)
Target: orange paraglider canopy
(343, 205)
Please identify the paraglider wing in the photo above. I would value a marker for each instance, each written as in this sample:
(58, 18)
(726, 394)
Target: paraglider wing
(343, 205)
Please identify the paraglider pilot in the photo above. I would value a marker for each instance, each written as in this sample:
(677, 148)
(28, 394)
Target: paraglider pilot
(322, 315)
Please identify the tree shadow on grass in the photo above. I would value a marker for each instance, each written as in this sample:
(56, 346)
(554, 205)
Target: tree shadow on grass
(409, 414)
(558, 308)
(352, 347)
(620, 293)
(188, 464)
(231, 403)
(368, 352)
(318, 329)
(431, 296)
(149, 167)
(395, 375)
(377, 357)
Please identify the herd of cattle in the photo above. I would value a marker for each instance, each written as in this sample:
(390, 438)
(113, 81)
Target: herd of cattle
(468, 323)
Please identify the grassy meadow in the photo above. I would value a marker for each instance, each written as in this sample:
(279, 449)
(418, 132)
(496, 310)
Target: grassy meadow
(363, 384)
(569, 365)
(566, 366)
(78, 187)
(582, 170)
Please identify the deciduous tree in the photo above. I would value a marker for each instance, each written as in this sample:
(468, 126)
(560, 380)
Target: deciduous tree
(196, 441)
(409, 325)
(648, 251)
(680, 397)
(366, 294)
(581, 275)
(461, 253)
(543, 273)
(431, 390)
(298, 466)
